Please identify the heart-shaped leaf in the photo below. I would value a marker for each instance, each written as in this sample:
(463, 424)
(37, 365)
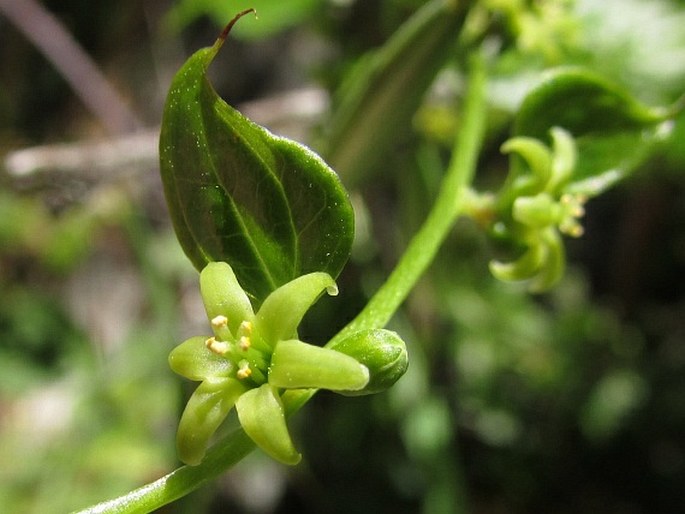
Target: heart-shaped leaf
(267, 205)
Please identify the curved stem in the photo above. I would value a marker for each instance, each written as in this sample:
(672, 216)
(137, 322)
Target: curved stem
(419, 254)
(181, 481)
(448, 206)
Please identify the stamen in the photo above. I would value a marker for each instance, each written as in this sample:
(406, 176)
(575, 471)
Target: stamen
(245, 328)
(219, 321)
(218, 347)
(572, 209)
(244, 371)
(571, 228)
(244, 343)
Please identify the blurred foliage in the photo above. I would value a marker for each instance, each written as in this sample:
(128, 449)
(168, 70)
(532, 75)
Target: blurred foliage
(571, 402)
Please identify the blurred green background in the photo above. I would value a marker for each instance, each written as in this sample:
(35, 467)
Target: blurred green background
(570, 402)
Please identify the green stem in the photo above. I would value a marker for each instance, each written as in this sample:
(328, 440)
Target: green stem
(448, 206)
(376, 314)
(181, 481)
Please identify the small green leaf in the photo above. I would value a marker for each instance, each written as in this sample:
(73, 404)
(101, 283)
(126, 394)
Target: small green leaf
(261, 415)
(268, 206)
(295, 364)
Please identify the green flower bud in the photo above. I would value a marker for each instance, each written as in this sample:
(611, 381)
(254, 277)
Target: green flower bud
(295, 364)
(382, 352)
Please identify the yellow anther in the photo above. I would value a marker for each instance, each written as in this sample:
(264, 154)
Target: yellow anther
(574, 204)
(244, 371)
(219, 321)
(571, 228)
(576, 231)
(245, 328)
(244, 343)
(218, 347)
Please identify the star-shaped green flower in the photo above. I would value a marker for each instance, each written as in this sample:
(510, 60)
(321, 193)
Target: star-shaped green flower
(252, 358)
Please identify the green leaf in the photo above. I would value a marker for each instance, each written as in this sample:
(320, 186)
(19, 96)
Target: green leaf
(268, 206)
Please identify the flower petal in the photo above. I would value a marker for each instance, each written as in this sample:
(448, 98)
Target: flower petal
(564, 158)
(282, 311)
(296, 365)
(223, 295)
(536, 155)
(207, 408)
(260, 412)
(525, 267)
(192, 359)
(555, 262)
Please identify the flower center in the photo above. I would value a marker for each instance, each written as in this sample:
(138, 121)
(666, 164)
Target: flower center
(248, 362)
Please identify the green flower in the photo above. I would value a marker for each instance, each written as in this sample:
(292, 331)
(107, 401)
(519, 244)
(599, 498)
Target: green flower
(251, 359)
(538, 207)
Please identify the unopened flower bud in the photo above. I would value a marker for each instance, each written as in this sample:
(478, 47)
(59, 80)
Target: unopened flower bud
(382, 352)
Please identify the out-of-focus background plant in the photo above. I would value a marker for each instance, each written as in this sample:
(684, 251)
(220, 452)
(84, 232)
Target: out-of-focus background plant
(572, 401)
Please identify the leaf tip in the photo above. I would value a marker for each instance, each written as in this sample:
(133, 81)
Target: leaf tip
(227, 29)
